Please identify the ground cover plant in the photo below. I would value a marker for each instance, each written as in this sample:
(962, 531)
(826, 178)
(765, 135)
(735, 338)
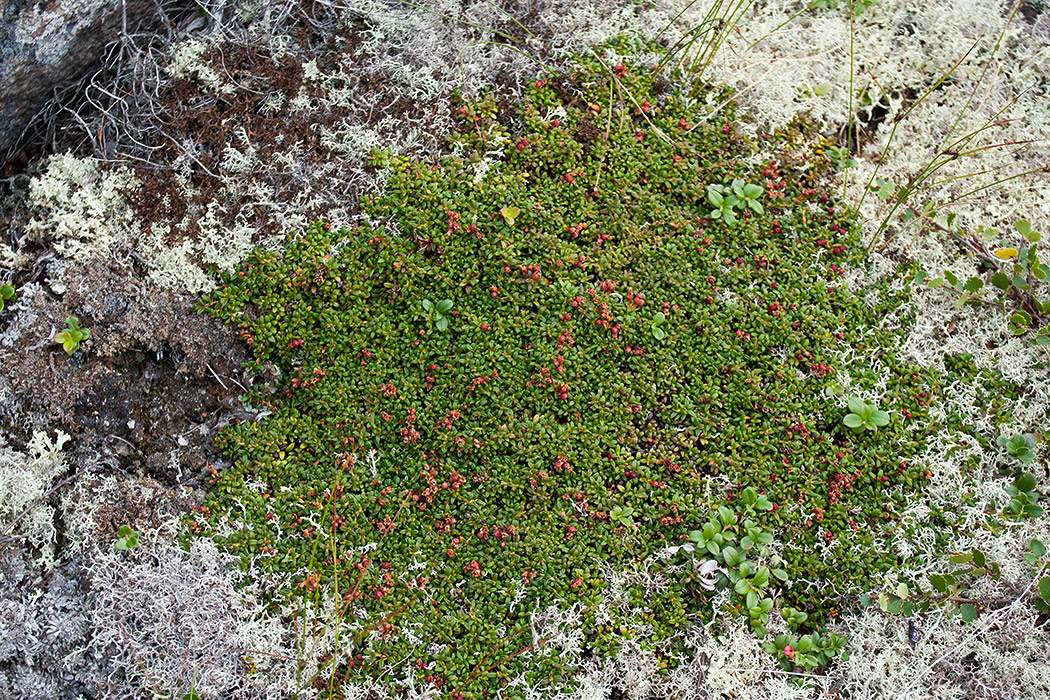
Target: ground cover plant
(604, 335)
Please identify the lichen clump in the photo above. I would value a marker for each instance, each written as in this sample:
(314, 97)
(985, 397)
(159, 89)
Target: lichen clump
(542, 362)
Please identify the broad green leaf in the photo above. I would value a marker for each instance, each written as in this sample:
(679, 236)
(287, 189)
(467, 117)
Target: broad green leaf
(968, 612)
(1025, 482)
(1044, 588)
(1037, 547)
(938, 582)
(1020, 318)
(950, 276)
(974, 285)
(1001, 281)
(853, 420)
(509, 214)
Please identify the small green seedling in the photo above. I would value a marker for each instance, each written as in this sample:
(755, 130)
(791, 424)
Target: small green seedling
(658, 320)
(807, 91)
(72, 336)
(1019, 447)
(727, 198)
(7, 293)
(622, 515)
(840, 156)
(436, 313)
(1023, 498)
(862, 416)
(509, 214)
(129, 539)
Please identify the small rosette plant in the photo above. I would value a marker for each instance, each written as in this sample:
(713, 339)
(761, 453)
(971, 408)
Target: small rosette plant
(72, 336)
(863, 416)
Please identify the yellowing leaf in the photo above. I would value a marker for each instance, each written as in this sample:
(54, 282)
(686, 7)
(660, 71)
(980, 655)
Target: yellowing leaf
(1006, 253)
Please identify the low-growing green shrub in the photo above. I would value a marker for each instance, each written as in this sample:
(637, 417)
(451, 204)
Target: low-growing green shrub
(607, 367)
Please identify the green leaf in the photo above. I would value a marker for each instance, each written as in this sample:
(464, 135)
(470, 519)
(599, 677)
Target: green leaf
(1037, 547)
(968, 612)
(1025, 229)
(963, 558)
(974, 285)
(714, 197)
(853, 420)
(428, 306)
(1001, 281)
(950, 276)
(1044, 588)
(978, 558)
(938, 582)
(509, 214)
(1025, 482)
(444, 306)
(880, 418)
(1020, 318)
(441, 323)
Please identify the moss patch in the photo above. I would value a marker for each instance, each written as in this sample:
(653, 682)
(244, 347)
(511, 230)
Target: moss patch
(543, 363)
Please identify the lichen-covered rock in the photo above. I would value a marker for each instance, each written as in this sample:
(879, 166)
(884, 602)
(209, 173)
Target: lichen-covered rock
(48, 45)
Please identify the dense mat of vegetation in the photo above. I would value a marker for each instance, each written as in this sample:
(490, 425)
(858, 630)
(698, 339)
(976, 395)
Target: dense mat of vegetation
(554, 355)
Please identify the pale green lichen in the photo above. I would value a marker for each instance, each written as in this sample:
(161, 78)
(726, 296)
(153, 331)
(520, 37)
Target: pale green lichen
(25, 479)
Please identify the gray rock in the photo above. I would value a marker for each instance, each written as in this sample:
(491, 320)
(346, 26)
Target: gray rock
(46, 45)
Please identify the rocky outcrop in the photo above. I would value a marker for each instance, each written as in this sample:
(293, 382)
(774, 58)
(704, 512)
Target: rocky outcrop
(49, 44)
